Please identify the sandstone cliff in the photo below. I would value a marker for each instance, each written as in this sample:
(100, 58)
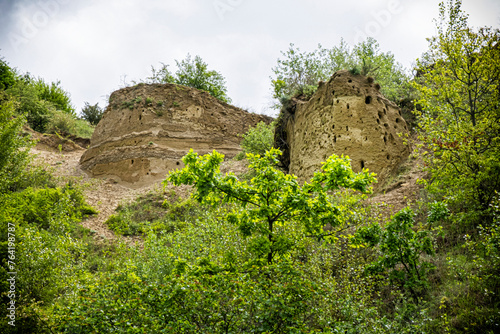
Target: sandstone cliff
(147, 129)
(347, 115)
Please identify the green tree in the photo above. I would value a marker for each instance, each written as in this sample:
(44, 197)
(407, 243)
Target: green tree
(299, 72)
(92, 113)
(193, 73)
(273, 204)
(459, 87)
(7, 75)
(401, 246)
(54, 94)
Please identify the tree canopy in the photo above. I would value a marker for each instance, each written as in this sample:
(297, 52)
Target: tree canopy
(299, 72)
(459, 89)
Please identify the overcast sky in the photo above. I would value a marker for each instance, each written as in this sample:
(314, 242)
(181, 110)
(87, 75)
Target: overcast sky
(94, 46)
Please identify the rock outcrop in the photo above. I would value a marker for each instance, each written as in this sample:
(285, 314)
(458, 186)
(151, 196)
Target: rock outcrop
(147, 129)
(347, 115)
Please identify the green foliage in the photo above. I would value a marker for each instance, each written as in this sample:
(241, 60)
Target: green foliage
(47, 258)
(401, 245)
(7, 75)
(153, 212)
(299, 72)
(459, 90)
(258, 139)
(14, 148)
(272, 204)
(42, 103)
(92, 113)
(193, 73)
(54, 94)
(36, 111)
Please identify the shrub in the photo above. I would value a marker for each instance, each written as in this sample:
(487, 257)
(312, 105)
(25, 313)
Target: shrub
(92, 113)
(54, 94)
(14, 152)
(258, 139)
(193, 73)
(7, 75)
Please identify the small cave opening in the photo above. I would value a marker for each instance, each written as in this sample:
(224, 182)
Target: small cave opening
(132, 161)
(177, 163)
(368, 100)
(333, 92)
(362, 163)
(348, 106)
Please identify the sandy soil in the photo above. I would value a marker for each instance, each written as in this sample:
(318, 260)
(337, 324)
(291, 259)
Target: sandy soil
(103, 195)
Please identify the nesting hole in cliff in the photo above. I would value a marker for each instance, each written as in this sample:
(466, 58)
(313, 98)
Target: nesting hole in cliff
(368, 99)
(177, 163)
(333, 92)
(347, 128)
(333, 127)
(378, 121)
(334, 139)
(132, 161)
(348, 106)
(362, 163)
(397, 120)
(388, 157)
(379, 114)
(386, 125)
(350, 80)
(140, 117)
(385, 139)
(338, 101)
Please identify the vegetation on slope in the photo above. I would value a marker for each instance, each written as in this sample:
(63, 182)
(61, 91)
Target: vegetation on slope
(265, 254)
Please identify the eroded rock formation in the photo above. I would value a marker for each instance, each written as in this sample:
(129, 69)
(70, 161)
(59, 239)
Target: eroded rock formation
(347, 115)
(147, 129)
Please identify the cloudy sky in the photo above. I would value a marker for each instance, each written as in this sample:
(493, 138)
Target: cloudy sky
(96, 46)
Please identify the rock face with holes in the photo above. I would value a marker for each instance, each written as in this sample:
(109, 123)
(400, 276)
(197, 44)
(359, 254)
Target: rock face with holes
(147, 129)
(347, 115)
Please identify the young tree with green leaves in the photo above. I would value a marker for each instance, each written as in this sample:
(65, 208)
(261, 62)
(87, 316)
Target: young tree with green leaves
(272, 204)
(193, 73)
(459, 87)
(92, 113)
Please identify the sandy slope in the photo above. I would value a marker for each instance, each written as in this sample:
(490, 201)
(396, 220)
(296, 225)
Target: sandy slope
(103, 195)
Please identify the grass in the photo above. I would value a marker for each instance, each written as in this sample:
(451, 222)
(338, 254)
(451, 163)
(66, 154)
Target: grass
(160, 212)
